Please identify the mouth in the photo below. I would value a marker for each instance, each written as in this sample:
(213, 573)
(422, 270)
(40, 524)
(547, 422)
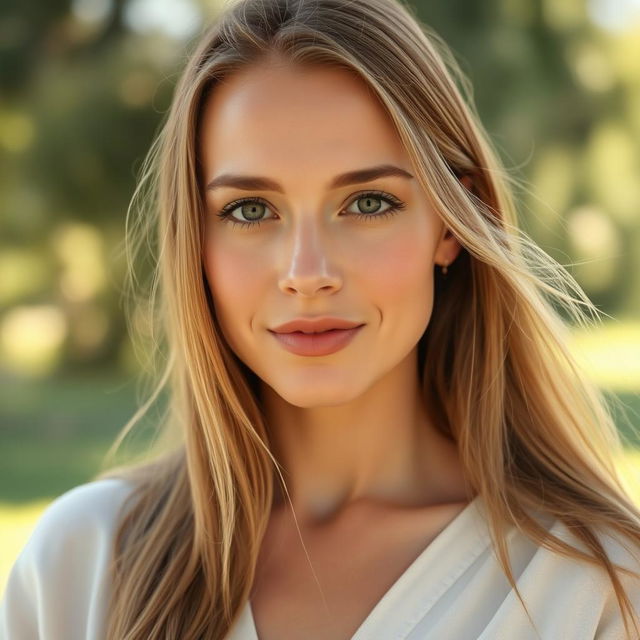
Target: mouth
(312, 333)
(316, 324)
(318, 343)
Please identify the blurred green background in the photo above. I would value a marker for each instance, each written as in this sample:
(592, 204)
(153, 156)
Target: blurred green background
(83, 87)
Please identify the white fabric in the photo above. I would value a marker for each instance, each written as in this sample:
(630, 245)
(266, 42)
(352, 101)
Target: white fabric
(454, 590)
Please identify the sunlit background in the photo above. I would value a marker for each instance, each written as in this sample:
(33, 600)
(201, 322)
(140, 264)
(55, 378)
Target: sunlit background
(84, 85)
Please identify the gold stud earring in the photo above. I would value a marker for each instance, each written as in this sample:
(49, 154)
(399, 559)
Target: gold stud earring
(445, 268)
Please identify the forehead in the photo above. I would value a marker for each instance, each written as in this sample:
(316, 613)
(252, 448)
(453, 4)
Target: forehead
(285, 120)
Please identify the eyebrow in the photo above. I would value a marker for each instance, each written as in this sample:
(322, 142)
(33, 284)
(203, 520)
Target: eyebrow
(260, 183)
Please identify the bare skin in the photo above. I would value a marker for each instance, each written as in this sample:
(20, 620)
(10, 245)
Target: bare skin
(371, 479)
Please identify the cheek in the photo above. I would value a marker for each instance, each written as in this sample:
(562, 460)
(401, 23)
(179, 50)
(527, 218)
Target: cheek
(234, 281)
(400, 270)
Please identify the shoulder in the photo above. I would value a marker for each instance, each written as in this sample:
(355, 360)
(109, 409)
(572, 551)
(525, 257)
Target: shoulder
(85, 508)
(593, 591)
(619, 549)
(567, 597)
(83, 518)
(625, 553)
(59, 582)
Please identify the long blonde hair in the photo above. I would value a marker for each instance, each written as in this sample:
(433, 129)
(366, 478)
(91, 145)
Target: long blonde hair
(532, 431)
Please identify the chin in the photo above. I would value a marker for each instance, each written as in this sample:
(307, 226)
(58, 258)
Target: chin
(314, 395)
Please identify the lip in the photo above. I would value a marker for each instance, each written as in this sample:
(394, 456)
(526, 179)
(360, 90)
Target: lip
(317, 324)
(316, 344)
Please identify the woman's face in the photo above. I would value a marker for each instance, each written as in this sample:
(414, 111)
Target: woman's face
(311, 248)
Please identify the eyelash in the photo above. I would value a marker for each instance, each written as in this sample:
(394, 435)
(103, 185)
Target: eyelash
(396, 206)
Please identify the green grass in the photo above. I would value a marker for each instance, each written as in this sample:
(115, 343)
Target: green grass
(54, 433)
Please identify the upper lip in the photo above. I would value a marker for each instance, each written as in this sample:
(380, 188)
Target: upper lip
(310, 325)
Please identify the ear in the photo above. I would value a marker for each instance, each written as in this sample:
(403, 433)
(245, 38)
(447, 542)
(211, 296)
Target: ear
(449, 247)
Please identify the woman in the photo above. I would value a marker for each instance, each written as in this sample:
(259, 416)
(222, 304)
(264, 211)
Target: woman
(396, 474)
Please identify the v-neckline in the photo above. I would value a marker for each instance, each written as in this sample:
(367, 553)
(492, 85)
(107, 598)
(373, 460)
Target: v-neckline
(443, 560)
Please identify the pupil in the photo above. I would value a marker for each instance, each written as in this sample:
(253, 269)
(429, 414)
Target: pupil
(252, 211)
(369, 208)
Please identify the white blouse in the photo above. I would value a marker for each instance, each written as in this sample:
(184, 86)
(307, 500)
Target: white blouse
(453, 590)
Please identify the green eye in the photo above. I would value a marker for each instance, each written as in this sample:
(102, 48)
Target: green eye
(253, 207)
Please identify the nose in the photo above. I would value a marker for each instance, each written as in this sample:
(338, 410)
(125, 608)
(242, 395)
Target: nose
(308, 269)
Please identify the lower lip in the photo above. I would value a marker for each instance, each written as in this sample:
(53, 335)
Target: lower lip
(316, 344)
